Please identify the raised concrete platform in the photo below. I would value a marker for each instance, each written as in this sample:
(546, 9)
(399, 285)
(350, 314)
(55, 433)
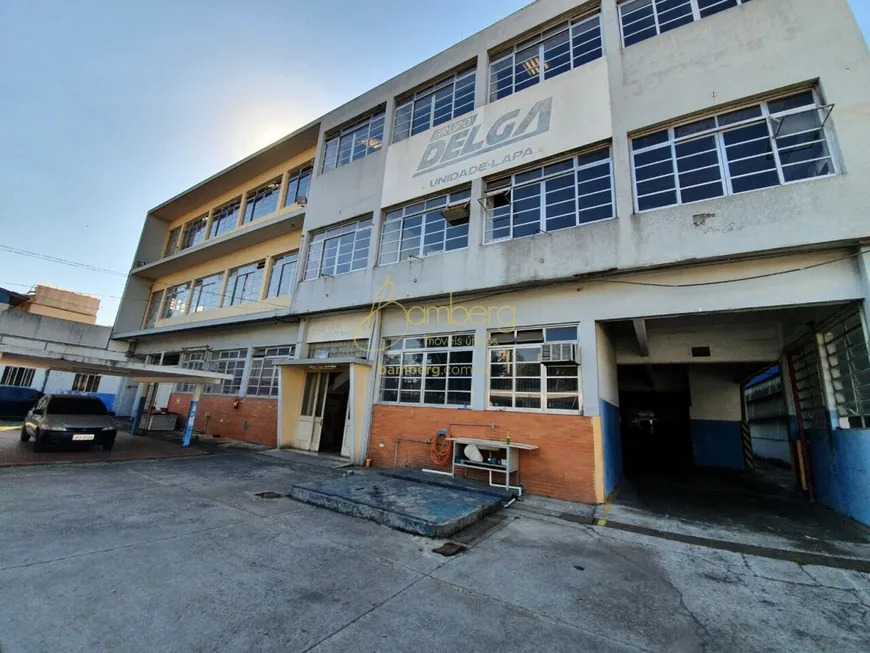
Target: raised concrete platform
(406, 503)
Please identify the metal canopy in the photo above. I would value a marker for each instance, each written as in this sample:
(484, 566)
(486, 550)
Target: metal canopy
(91, 364)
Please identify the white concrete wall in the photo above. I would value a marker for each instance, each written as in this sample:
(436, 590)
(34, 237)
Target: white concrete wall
(715, 395)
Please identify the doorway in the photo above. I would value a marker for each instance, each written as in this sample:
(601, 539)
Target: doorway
(654, 406)
(323, 421)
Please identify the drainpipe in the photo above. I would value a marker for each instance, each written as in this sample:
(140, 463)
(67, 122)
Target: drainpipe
(45, 381)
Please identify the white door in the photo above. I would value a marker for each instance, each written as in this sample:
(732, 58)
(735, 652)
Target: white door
(345, 442)
(127, 399)
(311, 418)
(161, 397)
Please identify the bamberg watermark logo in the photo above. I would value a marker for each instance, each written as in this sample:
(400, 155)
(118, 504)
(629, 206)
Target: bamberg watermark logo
(501, 317)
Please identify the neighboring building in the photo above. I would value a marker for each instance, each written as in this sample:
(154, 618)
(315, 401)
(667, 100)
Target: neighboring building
(72, 307)
(601, 220)
(53, 302)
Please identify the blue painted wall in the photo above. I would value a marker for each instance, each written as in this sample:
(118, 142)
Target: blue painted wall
(612, 445)
(717, 443)
(841, 470)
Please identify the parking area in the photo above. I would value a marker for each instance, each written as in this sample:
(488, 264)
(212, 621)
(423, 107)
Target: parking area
(182, 555)
(13, 452)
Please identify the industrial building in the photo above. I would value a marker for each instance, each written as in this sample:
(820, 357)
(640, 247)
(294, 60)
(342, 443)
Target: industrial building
(585, 228)
(71, 309)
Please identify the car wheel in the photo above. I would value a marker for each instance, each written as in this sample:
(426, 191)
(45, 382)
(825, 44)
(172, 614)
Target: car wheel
(38, 444)
(25, 436)
(108, 444)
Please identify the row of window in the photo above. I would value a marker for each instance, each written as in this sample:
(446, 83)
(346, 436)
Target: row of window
(263, 376)
(643, 19)
(772, 143)
(22, 377)
(258, 203)
(775, 142)
(240, 285)
(542, 56)
(437, 370)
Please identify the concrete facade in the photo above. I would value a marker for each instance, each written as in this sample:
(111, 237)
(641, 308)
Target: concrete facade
(735, 277)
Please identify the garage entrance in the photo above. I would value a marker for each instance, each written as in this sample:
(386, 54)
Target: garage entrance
(706, 436)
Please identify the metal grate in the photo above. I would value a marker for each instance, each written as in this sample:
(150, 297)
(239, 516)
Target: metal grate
(846, 354)
(808, 386)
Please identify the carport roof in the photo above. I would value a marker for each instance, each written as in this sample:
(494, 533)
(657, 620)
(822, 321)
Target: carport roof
(90, 364)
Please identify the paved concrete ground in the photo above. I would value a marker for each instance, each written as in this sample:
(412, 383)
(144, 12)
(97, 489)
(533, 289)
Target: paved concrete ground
(759, 509)
(15, 452)
(180, 555)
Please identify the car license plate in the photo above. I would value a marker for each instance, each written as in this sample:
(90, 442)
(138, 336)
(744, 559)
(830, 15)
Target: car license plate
(83, 436)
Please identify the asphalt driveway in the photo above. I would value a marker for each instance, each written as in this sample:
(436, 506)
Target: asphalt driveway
(181, 555)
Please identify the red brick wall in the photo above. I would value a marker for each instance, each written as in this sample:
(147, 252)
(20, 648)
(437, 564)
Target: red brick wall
(217, 416)
(562, 468)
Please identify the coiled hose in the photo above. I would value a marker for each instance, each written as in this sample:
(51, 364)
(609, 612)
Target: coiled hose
(441, 453)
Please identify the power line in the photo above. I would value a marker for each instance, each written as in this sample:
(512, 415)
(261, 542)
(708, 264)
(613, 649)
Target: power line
(62, 261)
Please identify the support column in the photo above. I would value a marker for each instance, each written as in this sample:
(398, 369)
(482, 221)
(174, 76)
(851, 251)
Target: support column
(864, 271)
(139, 406)
(191, 415)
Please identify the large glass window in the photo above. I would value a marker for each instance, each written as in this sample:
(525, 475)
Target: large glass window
(153, 309)
(434, 370)
(191, 360)
(545, 55)
(262, 201)
(225, 218)
(206, 293)
(448, 98)
(18, 376)
(263, 381)
(768, 144)
(176, 301)
(282, 274)
(849, 368)
(643, 19)
(557, 196)
(518, 378)
(227, 361)
(194, 232)
(245, 283)
(354, 142)
(298, 185)
(421, 229)
(172, 242)
(339, 249)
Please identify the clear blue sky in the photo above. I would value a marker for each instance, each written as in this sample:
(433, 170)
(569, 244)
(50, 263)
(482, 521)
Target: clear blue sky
(109, 107)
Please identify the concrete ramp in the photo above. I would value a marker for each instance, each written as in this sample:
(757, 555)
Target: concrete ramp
(430, 509)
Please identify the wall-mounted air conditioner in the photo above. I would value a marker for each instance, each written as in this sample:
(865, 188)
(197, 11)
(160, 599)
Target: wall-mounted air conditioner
(454, 213)
(560, 352)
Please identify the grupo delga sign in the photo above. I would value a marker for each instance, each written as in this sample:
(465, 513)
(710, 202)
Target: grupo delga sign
(563, 113)
(484, 148)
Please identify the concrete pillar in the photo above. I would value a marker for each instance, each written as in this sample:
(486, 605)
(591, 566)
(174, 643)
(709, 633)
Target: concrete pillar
(139, 407)
(191, 415)
(864, 271)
